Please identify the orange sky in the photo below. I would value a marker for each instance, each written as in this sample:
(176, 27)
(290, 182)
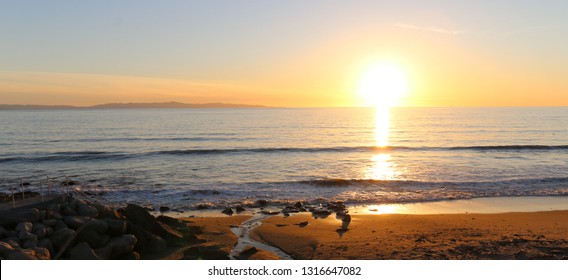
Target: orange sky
(449, 59)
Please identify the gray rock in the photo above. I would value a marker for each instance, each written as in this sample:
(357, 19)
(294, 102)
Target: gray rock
(75, 222)
(82, 251)
(299, 205)
(146, 241)
(41, 215)
(29, 243)
(92, 237)
(61, 236)
(240, 209)
(115, 226)
(24, 227)
(15, 216)
(261, 203)
(27, 236)
(88, 211)
(139, 216)
(106, 211)
(52, 211)
(68, 211)
(49, 222)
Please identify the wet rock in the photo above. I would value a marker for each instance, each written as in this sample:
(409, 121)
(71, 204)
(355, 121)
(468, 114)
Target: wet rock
(172, 222)
(147, 241)
(15, 216)
(247, 253)
(106, 211)
(61, 236)
(227, 211)
(164, 209)
(29, 243)
(3, 232)
(322, 214)
(92, 237)
(53, 211)
(24, 227)
(26, 236)
(87, 211)
(68, 211)
(13, 241)
(240, 209)
(299, 205)
(139, 216)
(202, 206)
(47, 244)
(303, 224)
(82, 251)
(261, 203)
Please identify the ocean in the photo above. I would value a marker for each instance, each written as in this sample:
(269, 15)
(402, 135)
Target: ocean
(183, 158)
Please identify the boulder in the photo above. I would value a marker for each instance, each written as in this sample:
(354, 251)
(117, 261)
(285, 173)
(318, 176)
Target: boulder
(3, 232)
(82, 251)
(5, 249)
(59, 225)
(68, 211)
(13, 241)
(47, 244)
(240, 209)
(115, 226)
(147, 241)
(227, 211)
(24, 227)
(53, 211)
(261, 203)
(14, 216)
(140, 217)
(87, 210)
(27, 254)
(172, 222)
(41, 215)
(92, 237)
(122, 245)
(164, 209)
(106, 211)
(49, 222)
(75, 222)
(61, 236)
(42, 253)
(29, 244)
(299, 205)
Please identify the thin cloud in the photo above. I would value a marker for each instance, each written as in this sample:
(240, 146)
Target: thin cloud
(432, 29)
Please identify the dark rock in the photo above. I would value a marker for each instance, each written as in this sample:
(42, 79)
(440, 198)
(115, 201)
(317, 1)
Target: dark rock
(130, 256)
(41, 230)
(27, 254)
(345, 221)
(322, 214)
(59, 225)
(247, 253)
(122, 245)
(164, 209)
(87, 211)
(227, 211)
(106, 211)
(147, 241)
(42, 253)
(202, 206)
(75, 222)
(82, 251)
(47, 244)
(139, 216)
(261, 203)
(299, 205)
(11, 233)
(3, 232)
(41, 215)
(68, 211)
(15, 216)
(172, 222)
(13, 241)
(61, 236)
(92, 237)
(5, 249)
(29, 243)
(26, 236)
(303, 224)
(115, 226)
(52, 211)
(240, 209)
(205, 253)
(24, 227)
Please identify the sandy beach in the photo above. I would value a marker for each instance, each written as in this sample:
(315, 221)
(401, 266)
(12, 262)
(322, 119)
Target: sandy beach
(532, 235)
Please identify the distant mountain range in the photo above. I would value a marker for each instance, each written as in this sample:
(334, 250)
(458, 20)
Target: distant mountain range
(130, 106)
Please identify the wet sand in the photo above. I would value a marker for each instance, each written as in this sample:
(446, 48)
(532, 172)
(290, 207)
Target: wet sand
(527, 235)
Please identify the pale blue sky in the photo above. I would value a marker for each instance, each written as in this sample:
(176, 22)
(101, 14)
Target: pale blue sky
(240, 40)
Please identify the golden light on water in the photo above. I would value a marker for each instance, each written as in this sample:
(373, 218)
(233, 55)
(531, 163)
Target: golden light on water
(382, 85)
(382, 126)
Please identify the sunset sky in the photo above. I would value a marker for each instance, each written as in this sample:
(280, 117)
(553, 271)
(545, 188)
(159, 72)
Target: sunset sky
(282, 53)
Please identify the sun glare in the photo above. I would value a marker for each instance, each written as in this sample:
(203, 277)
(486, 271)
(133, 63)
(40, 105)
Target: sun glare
(382, 85)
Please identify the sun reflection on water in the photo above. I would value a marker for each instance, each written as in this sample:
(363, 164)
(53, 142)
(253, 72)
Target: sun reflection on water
(382, 167)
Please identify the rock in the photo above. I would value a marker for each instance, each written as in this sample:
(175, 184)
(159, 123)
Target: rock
(13, 241)
(106, 211)
(261, 203)
(76, 203)
(42, 253)
(227, 211)
(49, 222)
(299, 205)
(3, 232)
(115, 226)
(172, 222)
(164, 209)
(53, 211)
(82, 251)
(92, 237)
(41, 232)
(202, 206)
(139, 216)
(75, 222)
(22, 255)
(122, 245)
(147, 241)
(15, 216)
(11, 233)
(61, 236)
(322, 214)
(68, 211)
(247, 253)
(47, 244)
(130, 256)
(303, 224)
(59, 225)
(24, 227)
(29, 244)
(26, 236)
(345, 221)
(41, 215)
(5, 249)
(87, 211)
(240, 209)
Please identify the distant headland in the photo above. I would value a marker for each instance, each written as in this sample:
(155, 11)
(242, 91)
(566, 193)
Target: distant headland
(156, 105)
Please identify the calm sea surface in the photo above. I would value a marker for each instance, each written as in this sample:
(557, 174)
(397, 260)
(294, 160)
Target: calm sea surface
(185, 157)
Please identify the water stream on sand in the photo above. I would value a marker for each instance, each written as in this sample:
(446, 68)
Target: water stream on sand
(244, 240)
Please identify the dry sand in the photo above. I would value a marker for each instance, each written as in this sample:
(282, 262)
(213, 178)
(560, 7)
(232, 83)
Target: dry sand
(533, 235)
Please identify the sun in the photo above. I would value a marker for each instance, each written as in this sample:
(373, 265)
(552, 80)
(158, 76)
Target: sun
(382, 85)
